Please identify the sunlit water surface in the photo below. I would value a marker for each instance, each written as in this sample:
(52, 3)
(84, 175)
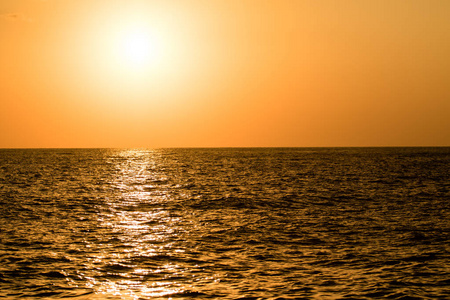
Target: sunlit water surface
(225, 223)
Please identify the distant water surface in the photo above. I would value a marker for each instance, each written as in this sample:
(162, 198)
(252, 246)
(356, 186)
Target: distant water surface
(263, 223)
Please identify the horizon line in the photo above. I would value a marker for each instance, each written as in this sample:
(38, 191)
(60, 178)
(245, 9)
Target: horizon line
(222, 147)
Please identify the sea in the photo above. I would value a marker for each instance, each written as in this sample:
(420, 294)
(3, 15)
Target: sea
(225, 223)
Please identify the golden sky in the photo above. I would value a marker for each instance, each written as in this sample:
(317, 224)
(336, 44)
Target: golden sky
(188, 73)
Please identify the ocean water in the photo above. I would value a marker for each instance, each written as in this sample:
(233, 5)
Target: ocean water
(262, 223)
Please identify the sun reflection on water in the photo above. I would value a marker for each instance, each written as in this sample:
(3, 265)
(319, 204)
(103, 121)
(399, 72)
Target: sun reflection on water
(135, 232)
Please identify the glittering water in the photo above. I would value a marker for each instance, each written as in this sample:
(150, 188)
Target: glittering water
(292, 223)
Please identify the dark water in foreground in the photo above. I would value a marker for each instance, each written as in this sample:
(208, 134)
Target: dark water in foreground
(294, 223)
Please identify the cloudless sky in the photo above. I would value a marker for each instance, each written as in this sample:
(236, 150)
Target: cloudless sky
(188, 73)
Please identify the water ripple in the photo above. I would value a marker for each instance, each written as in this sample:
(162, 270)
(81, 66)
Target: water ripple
(225, 223)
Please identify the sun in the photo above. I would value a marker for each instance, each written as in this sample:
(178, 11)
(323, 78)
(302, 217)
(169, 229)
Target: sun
(139, 48)
(139, 57)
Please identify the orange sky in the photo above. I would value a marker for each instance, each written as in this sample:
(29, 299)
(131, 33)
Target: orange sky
(124, 73)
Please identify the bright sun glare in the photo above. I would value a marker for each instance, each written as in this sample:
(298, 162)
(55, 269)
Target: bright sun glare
(144, 58)
(139, 48)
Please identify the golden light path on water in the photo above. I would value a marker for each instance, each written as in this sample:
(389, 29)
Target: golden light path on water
(140, 228)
